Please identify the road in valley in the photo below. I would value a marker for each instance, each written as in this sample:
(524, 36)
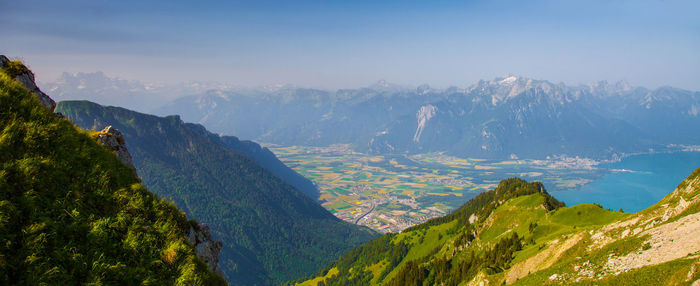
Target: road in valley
(365, 214)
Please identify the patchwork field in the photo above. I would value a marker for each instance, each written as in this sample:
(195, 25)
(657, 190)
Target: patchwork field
(392, 192)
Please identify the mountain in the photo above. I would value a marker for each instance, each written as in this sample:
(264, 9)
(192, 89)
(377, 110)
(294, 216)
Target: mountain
(272, 232)
(72, 213)
(133, 94)
(518, 234)
(501, 118)
(267, 159)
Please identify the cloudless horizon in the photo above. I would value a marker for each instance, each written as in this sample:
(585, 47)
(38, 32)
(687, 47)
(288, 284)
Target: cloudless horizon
(344, 44)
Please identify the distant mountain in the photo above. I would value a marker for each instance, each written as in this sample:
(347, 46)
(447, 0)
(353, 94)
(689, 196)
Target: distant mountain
(501, 118)
(272, 232)
(518, 234)
(133, 94)
(71, 213)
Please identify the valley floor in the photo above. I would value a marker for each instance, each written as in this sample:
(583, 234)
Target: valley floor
(389, 193)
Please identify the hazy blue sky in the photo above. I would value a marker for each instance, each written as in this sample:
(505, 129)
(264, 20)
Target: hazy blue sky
(334, 44)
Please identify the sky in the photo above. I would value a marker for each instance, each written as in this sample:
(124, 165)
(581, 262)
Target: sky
(346, 44)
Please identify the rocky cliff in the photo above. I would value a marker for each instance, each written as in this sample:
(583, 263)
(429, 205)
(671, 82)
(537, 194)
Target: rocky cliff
(25, 76)
(113, 139)
(205, 246)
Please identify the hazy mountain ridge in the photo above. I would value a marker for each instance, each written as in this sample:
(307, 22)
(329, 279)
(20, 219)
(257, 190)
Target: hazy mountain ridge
(491, 119)
(133, 94)
(518, 234)
(272, 232)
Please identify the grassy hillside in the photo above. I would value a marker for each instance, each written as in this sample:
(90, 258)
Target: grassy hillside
(272, 232)
(519, 234)
(72, 213)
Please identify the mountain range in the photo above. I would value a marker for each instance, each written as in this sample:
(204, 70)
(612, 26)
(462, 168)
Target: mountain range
(272, 231)
(133, 94)
(502, 118)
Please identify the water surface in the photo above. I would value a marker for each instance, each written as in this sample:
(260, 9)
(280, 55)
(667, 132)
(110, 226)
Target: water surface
(636, 182)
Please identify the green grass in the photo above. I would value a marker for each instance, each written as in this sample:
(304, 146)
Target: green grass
(514, 215)
(341, 191)
(531, 201)
(669, 273)
(420, 248)
(72, 213)
(586, 215)
(315, 281)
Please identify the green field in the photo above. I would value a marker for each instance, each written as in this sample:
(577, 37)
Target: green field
(391, 192)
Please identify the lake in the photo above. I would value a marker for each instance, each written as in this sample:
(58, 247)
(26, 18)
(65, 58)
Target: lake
(636, 182)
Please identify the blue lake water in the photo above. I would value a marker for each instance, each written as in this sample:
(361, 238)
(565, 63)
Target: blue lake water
(647, 180)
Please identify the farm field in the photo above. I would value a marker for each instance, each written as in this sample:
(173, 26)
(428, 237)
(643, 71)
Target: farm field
(389, 193)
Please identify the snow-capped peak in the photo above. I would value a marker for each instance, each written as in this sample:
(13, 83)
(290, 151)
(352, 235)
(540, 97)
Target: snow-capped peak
(508, 80)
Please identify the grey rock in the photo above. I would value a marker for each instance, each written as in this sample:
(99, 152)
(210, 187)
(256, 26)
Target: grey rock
(205, 246)
(113, 139)
(27, 79)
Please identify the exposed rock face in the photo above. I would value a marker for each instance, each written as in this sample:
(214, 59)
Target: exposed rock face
(26, 77)
(423, 115)
(205, 246)
(114, 140)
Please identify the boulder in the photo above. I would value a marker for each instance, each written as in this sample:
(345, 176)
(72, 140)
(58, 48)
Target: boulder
(113, 139)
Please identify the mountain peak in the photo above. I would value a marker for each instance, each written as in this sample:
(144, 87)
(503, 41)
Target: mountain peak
(508, 80)
(383, 85)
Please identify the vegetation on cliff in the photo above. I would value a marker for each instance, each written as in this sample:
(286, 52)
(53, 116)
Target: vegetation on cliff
(72, 213)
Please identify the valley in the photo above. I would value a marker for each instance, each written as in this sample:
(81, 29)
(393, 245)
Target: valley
(389, 193)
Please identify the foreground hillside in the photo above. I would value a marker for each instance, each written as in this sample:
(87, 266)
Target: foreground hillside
(72, 213)
(519, 234)
(272, 232)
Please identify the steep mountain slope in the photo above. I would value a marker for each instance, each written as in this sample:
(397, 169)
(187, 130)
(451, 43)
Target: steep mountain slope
(267, 159)
(494, 119)
(72, 213)
(518, 234)
(272, 232)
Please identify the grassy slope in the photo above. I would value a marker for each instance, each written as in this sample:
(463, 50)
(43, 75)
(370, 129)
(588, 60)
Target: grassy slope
(71, 213)
(598, 250)
(584, 236)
